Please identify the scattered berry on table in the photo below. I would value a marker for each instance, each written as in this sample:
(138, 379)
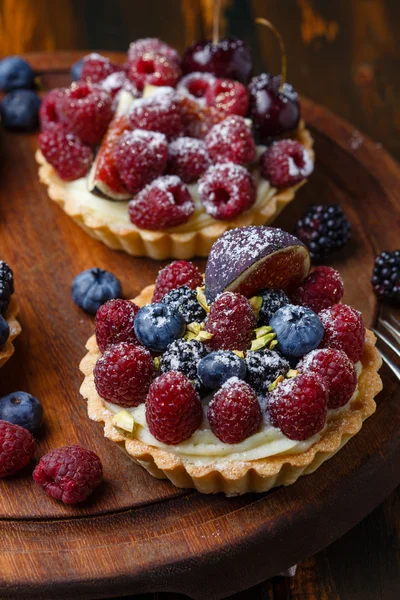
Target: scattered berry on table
(173, 408)
(336, 369)
(158, 325)
(4, 331)
(17, 447)
(344, 330)
(123, 374)
(184, 300)
(196, 86)
(96, 68)
(231, 320)
(69, 474)
(386, 276)
(154, 69)
(286, 163)
(228, 96)
(65, 152)
(22, 409)
(15, 73)
(231, 141)
(175, 275)
(226, 190)
(142, 46)
(234, 413)
(93, 287)
(183, 356)
(321, 289)
(298, 330)
(76, 70)
(263, 368)
(272, 300)
(188, 158)
(217, 367)
(159, 112)
(19, 111)
(229, 57)
(50, 107)
(324, 229)
(114, 323)
(6, 286)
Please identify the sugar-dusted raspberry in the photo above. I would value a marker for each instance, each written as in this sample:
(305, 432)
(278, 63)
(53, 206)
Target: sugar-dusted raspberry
(69, 474)
(195, 86)
(153, 69)
(321, 289)
(97, 67)
(337, 370)
(286, 163)
(87, 111)
(231, 141)
(231, 320)
(234, 413)
(123, 374)
(65, 152)
(197, 120)
(17, 447)
(344, 330)
(118, 81)
(298, 406)
(173, 408)
(144, 45)
(164, 203)
(227, 190)
(188, 158)
(228, 96)
(141, 156)
(50, 107)
(159, 112)
(114, 323)
(176, 275)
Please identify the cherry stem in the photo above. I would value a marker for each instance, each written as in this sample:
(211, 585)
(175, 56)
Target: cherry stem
(217, 12)
(278, 36)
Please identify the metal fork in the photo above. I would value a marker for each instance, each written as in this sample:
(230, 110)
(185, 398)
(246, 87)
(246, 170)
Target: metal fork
(394, 329)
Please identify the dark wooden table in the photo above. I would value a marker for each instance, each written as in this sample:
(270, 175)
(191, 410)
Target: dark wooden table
(343, 54)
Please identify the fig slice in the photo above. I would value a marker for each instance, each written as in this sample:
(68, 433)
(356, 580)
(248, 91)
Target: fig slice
(250, 259)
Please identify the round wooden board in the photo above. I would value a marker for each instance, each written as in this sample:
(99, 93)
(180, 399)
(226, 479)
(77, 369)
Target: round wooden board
(138, 534)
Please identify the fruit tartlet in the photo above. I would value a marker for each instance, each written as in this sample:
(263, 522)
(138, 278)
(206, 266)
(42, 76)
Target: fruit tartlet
(9, 326)
(239, 383)
(161, 155)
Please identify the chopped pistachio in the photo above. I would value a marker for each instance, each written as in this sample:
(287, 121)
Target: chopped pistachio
(201, 298)
(123, 420)
(189, 335)
(260, 331)
(277, 381)
(239, 353)
(292, 373)
(273, 344)
(256, 303)
(156, 362)
(263, 341)
(194, 327)
(204, 335)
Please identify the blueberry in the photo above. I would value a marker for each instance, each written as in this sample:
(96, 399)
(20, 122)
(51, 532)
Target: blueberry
(157, 325)
(22, 409)
(4, 331)
(217, 367)
(76, 70)
(298, 330)
(93, 287)
(15, 73)
(19, 111)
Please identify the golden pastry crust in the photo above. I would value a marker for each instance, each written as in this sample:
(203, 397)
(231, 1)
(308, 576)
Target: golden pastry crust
(15, 329)
(163, 244)
(234, 477)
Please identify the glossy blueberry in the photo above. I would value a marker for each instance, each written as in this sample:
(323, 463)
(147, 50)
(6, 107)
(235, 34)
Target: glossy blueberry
(93, 287)
(157, 325)
(4, 331)
(298, 330)
(20, 111)
(217, 367)
(22, 409)
(76, 70)
(15, 73)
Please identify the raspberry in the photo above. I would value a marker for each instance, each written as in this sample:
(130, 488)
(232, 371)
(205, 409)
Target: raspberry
(175, 275)
(164, 203)
(17, 447)
(231, 320)
(231, 141)
(323, 229)
(159, 112)
(114, 323)
(298, 407)
(69, 474)
(151, 68)
(234, 413)
(140, 47)
(321, 289)
(336, 369)
(115, 82)
(184, 300)
(196, 86)
(6, 286)
(344, 330)
(272, 300)
(65, 152)
(184, 356)
(197, 120)
(263, 367)
(141, 156)
(87, 111)
(123, 374)
(96, 68)
(228, 96)
(50, 107)
(227, 190)
(173, 408)
(386, 276)
(286, 163)
(188, 158)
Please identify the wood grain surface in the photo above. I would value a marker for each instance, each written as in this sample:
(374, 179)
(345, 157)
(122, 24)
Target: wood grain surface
(47, 250)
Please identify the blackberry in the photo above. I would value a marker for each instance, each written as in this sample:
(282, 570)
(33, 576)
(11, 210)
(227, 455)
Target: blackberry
(386, 276)
(184, 300)
(272, 300)
(184, 356)
(263, 367)
(323, 229)
(6, 286)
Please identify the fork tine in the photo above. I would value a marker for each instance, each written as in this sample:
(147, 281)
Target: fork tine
(395, 320)
(389, 327)
(390, 364)
(387, 342)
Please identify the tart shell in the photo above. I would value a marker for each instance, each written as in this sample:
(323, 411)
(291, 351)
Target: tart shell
(234, 477)
(15, 329)
(163, 244)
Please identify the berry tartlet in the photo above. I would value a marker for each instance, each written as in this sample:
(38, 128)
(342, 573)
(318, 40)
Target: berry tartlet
(159, 156)
(9, 326)
(238, 384)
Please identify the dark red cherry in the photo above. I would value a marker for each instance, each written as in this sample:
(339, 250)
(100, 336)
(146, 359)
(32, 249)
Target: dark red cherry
(273, 111)
(229, 58)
